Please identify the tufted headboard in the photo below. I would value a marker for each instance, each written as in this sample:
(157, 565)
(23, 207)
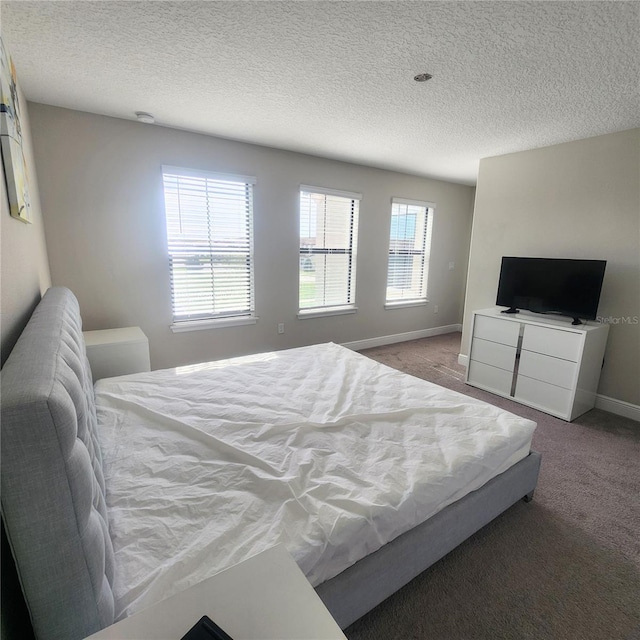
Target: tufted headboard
(53, 495)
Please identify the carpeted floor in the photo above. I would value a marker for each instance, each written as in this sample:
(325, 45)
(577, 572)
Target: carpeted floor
(565, 566)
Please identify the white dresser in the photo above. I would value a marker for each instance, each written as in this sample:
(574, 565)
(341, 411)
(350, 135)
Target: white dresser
(548, 364)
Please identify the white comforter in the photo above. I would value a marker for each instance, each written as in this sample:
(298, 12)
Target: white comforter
(319, 448)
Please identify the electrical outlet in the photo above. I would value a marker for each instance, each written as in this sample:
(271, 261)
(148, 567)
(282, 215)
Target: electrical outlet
(452, 265)
(280, 327)
(435, 308)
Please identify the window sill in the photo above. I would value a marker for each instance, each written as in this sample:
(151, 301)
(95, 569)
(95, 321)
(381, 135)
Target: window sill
(320, 313)
(404, 305)
(199, 325)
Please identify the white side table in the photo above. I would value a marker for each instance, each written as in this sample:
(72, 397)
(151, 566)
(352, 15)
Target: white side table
(266, 597)
(117, 352)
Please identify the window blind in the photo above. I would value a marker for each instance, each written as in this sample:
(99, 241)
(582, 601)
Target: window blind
(409, 243)
(328, 240)
(210, 242)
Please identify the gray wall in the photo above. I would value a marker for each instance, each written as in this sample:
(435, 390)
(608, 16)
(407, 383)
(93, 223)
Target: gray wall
(100, 179)
(24, 266)
(24, 276)
(575, 200)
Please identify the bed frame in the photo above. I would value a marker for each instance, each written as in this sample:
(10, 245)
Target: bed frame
(53, 493)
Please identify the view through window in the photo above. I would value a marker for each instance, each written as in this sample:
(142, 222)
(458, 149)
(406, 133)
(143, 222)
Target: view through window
(328, 240)
(210, 241)
(409, 243)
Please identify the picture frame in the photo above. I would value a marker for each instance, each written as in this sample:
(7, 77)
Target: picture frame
(11, 141)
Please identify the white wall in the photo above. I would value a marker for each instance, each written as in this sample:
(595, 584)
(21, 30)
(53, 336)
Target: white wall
(575, 200)
(24, 265)
(100, 179)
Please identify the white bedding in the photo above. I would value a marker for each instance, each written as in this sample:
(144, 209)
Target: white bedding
(319, 448)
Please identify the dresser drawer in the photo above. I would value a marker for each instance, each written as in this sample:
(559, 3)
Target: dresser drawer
(488, 377)
(552, 342)
(548, 397)
(548, 369)
(496, 330)
(498, 355)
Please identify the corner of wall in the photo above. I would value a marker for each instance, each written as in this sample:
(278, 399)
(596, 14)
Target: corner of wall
(577, 199)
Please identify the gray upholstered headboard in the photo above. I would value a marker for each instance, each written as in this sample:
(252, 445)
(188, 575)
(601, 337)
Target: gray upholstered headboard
(53, 495)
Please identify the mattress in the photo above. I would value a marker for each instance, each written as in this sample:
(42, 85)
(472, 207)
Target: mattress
(318, 448)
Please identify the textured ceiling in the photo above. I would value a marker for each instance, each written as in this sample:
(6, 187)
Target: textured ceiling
(335, 79)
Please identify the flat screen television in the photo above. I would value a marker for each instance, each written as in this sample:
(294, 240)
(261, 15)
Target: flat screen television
(551, 285)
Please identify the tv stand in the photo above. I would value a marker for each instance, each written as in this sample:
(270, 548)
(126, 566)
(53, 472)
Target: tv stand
(576, 322)
(551, 364)
(510, 310)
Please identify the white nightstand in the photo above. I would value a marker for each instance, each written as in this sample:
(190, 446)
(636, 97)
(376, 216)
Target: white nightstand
(266, 597)
(117, 352)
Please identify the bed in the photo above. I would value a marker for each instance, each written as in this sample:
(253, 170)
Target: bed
(117, 496)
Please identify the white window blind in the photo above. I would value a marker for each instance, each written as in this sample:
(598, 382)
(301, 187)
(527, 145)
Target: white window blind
(409, 244)
(328, 240)
(210, 241)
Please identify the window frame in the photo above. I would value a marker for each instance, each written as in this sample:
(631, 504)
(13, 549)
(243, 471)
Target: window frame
(350, 305)
(425, 252)
(221, 319)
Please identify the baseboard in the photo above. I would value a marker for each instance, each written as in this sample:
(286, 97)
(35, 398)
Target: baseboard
(619, 407)
(401, 337)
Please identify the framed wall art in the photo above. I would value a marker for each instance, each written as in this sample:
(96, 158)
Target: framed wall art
(15, 169)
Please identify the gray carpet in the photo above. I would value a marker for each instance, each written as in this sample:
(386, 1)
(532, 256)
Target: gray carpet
(565, 566)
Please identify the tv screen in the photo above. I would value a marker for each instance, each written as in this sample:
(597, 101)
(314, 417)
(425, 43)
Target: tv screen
(551, 285)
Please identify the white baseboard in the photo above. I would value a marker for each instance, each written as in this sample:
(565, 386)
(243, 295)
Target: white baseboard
(401, 337)
(619, 407)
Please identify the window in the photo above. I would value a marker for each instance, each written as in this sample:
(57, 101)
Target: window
(210, 242)
(409, 243)
(328, 240)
